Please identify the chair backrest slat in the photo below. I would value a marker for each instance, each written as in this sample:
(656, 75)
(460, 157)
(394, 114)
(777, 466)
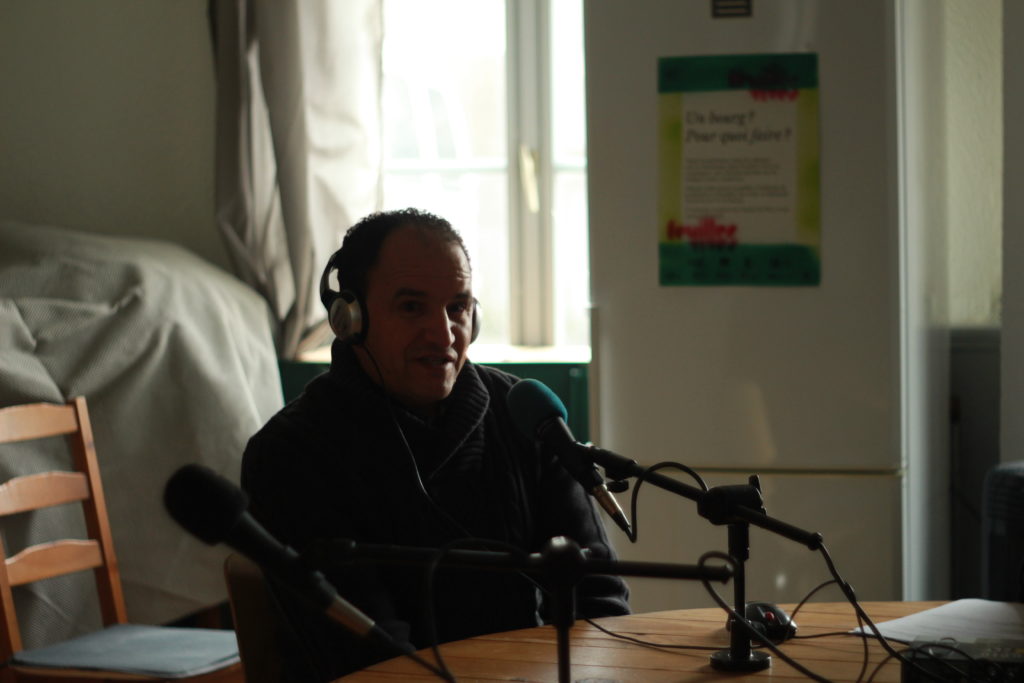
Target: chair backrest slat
(47, 560)
(36, 421)
(57, 557)
(46, 489)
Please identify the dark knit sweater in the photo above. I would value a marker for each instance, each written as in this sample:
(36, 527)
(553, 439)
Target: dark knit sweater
(332, 464)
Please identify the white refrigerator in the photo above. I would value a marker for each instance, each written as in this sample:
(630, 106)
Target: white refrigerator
(834, 393)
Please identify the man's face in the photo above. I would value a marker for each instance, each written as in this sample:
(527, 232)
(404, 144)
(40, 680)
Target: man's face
(420, 304)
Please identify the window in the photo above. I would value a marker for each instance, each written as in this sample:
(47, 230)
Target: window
(484, 124)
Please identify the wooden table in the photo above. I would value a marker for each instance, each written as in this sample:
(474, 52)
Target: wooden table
(529, 654)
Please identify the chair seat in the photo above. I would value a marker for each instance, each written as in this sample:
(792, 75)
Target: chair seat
(158, 651)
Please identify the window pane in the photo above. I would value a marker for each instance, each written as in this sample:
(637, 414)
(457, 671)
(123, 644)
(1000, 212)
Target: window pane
(572, 259)
(569, 194)
(444, 81)
(568, 99)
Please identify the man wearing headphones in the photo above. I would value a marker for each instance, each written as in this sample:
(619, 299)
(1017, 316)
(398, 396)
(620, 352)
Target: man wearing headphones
(405, 441)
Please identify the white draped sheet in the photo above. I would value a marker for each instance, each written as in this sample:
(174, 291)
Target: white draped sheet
(176, 359)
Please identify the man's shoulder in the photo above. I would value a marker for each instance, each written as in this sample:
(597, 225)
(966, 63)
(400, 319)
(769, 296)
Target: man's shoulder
(314, 414)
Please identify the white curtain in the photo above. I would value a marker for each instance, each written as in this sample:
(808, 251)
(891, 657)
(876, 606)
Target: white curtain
(298, 144)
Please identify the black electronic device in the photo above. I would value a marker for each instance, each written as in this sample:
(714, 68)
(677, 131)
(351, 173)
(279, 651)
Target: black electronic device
(978, 661)
(769, 620)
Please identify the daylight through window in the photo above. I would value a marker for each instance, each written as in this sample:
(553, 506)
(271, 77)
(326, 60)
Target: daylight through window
(484, 124)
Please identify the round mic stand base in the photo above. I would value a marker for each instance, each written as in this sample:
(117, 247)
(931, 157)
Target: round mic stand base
(726, 660)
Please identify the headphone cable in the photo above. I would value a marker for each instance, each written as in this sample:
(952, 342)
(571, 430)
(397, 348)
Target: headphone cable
(469, 537)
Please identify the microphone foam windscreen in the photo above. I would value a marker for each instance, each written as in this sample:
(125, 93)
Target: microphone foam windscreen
(530, 403)
(206, 504)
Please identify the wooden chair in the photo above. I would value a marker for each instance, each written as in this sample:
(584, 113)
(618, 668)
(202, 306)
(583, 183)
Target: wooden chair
(255, 620)
(60, 662)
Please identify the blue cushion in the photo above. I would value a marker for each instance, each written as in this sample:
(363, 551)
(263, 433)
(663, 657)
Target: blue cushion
(167, 651)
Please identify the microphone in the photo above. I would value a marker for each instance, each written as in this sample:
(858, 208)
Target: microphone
(539, 413)
(214, 510)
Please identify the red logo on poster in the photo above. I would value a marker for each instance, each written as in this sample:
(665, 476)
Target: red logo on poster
(708, 232)
(784, 95)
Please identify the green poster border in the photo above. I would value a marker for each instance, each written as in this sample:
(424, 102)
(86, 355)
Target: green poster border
(784, 71)
(793, 265)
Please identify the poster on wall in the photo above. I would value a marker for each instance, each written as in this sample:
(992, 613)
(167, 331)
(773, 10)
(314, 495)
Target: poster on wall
(739, 170)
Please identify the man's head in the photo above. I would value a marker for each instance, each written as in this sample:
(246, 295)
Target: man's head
(410, 272)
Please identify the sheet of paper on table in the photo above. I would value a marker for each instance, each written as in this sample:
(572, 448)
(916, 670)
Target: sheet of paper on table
(964, 620)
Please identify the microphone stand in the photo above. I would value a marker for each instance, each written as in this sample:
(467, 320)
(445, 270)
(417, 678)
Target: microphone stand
(737, 507)
(717, 506)
(561, 562)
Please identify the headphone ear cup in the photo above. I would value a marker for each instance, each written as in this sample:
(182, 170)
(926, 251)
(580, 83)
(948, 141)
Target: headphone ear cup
(346, 317)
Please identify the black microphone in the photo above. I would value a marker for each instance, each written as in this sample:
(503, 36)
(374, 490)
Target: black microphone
(214, 510)
(539, 413)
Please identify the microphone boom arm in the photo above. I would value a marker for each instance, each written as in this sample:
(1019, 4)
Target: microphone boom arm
(717, 508)
(562, 562)
(345, 550)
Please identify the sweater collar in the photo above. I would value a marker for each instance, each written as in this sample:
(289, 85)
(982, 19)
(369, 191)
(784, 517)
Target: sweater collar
(461, 412)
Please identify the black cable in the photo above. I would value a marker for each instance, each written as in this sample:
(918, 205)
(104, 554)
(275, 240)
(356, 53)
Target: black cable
(442, 669)
(827, 634)
(420, 486)
(851, 597)
(647, 643)
(809, 595)
(824, 584)
(739, 619)
(885, 660)
(485, 543)
(867, 652)
(633, 534)
(429, 573)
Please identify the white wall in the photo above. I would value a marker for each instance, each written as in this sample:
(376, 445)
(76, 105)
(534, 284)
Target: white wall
(107, 118)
